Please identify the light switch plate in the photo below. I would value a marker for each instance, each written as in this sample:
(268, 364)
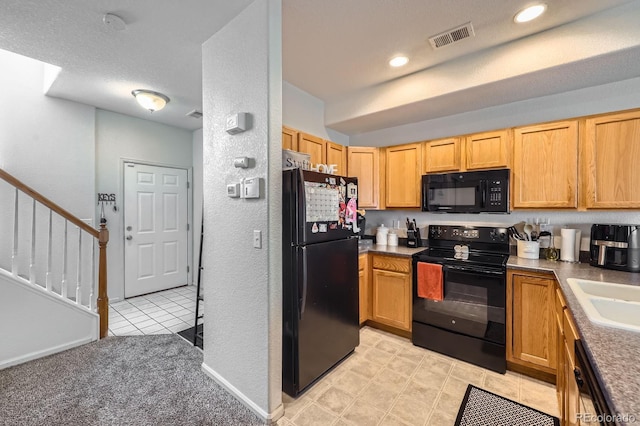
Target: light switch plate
(257, 239)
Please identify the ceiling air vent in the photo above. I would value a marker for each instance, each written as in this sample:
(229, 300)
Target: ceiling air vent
(194, 114)
(451, 36)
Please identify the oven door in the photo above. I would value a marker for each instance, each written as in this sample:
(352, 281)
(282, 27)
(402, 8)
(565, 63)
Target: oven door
(473, 303)
(452, 193)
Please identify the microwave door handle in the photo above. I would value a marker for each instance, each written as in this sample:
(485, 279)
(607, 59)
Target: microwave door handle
(483, 190)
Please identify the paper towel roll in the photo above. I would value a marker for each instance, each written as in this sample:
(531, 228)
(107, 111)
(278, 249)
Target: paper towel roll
(576, 249)
(567, 251)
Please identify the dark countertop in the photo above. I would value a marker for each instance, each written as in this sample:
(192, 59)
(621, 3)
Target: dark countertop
(399, 250)
(613, 352)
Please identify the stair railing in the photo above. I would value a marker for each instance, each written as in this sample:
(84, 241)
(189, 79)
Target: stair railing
(101, 235)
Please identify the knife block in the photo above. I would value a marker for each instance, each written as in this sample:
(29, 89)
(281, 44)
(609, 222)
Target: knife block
(413, 238)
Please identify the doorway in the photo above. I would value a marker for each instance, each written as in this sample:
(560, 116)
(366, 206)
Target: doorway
(156, 228)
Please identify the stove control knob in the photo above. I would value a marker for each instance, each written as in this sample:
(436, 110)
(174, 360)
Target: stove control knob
(503, 236)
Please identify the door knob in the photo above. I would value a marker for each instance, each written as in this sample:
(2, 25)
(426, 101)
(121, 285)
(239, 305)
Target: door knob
(129, 237)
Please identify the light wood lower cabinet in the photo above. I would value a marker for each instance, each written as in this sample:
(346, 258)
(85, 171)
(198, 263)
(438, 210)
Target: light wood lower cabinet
(363, 281)
(531, 322)
(391, 291)
(566, 386)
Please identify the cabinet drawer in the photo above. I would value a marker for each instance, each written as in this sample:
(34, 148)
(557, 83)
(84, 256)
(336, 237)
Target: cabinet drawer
(560, 306)
(570, 334)
(392, 263)
(362, 262)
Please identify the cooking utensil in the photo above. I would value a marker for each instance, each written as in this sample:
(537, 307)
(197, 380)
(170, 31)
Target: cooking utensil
(527, 230)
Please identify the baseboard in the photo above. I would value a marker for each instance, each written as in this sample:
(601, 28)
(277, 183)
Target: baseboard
(268, 417)
(46, 352)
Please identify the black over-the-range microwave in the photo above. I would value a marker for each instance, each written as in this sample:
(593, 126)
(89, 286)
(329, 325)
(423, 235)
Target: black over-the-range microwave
(485, 191)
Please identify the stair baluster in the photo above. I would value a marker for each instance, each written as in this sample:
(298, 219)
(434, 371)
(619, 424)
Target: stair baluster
(49, 277)
(14, 254)
(32, 259)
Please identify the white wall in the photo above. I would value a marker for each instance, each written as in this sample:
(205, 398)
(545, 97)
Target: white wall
(593, 100)
(120, 137)
(197, 197)
(305, 112)
(242, 72)
(48, 144)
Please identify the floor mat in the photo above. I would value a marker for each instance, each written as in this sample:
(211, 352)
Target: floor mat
(188, 335)
(481, 407)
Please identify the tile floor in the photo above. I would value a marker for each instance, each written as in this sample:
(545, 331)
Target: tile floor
(388, 381)
(165, 312)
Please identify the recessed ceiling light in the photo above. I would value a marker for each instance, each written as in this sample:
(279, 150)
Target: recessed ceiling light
(399, 61)
(530, 13)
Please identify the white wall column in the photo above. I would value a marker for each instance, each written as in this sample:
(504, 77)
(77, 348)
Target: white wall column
(242, 72)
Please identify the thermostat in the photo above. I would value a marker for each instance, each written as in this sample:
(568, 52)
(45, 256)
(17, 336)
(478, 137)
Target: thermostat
(236, 123)
(250, 188)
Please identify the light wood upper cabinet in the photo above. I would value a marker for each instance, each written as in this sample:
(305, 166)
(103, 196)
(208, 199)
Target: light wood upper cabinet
(289, 138)
(545, 166)
(441, 155)
(611, 157)
(531, 321)
(314, 146)
(391, 291)
(364, 163)
(488, 150)
(337, 154)
(403, 175)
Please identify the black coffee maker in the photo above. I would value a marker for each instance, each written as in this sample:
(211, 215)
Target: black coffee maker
(615, 247)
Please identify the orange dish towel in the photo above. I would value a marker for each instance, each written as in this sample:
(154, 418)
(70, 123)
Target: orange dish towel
(430, 281)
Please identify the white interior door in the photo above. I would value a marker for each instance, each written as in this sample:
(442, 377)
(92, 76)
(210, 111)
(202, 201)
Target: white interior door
(156, 230)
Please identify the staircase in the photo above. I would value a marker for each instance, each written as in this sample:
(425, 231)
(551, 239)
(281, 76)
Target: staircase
(52, 296)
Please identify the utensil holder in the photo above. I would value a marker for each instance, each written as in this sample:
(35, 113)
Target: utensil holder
(529, 249)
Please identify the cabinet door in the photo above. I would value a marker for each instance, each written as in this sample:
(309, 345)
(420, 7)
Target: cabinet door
(442, 155)
(488, 150)
(363, 279)
(572, 392)
(403, 175)
(363, 163)
(545, 166)
(392, 298)
(314, 146)
(289, 138)
(611, 155)
(337, 154)
(533, 321)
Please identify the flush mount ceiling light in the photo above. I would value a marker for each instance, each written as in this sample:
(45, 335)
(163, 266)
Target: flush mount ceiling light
(398, 61)
(148, 99)
(530, 13)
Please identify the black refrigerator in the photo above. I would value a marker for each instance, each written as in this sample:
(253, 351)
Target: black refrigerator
(320, 275)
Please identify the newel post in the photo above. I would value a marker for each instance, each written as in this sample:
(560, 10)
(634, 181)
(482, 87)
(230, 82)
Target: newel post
(103, 299)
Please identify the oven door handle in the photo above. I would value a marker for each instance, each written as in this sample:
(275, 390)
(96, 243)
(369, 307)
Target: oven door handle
(473, 270)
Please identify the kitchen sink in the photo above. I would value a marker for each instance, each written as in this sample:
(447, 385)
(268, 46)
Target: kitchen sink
(609, 304)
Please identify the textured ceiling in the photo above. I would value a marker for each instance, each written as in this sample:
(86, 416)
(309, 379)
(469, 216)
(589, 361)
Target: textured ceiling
(335, 50)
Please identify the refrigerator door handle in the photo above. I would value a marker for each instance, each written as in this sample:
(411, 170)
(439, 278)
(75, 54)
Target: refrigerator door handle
(304, 282)
(301, 208)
